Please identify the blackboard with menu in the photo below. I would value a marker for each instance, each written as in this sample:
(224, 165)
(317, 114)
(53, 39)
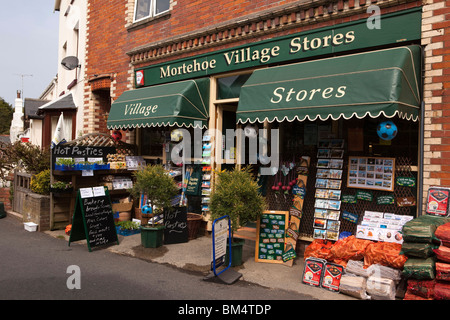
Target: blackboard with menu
(176, 227)
(93, 218)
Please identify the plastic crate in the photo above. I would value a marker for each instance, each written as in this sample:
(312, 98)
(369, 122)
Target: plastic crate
(30, 226)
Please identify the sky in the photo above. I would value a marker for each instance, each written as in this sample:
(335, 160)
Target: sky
(28, 47)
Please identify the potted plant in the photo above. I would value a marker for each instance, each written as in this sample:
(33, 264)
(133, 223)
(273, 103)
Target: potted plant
(160, 188)
(61, 187)
(236, 194)
(127, 228)
(64, 164)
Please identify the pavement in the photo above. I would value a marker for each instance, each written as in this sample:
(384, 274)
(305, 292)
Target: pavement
(195, 256)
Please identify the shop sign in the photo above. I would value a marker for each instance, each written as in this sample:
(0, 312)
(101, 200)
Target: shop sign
(406, 181)
(395, 28)
(348, 198)
(80, 152)
(437, 201)
(289, 254)
(387, 199)
(300, 191)
(352, 217)
(364, 195)
(295, 212)
(406, 201)
(176, 226)
(220, 232)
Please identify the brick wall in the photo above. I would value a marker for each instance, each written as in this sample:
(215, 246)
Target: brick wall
(5, 189)
(436, 42)
(200, 26)
(116, 46)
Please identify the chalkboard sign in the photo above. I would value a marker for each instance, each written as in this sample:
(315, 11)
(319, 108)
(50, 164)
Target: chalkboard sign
(93, 218)
(68, 151)
(270, 236)
(176, 229)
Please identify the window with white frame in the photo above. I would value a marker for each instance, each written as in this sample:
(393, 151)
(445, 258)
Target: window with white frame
(149, 8)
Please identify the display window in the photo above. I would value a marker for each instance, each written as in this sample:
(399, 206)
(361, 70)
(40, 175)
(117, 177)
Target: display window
(353, 169)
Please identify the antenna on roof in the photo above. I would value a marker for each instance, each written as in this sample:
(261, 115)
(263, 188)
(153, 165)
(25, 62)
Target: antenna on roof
(23, 76)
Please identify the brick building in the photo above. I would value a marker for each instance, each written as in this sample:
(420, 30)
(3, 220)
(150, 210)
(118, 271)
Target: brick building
(132, 48)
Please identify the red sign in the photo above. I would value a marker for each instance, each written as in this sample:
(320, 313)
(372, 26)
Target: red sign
(332, 276)
(140, 77)
(312, 274)
(437, 201)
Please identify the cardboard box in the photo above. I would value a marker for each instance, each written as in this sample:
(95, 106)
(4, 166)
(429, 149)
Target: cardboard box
(122, 207)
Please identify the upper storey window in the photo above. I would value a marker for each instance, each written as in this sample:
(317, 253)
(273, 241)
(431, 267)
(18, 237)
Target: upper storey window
(149, 8)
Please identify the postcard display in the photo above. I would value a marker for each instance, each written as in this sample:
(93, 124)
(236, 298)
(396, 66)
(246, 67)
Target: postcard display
(206, 174)
(327, 203)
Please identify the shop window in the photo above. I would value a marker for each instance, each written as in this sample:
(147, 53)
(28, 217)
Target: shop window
(150, 8)
(230, 87)
(152, 142)
(156, 144)
(358, 138)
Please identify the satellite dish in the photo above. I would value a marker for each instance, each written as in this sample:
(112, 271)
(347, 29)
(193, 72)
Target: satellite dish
(70, 63)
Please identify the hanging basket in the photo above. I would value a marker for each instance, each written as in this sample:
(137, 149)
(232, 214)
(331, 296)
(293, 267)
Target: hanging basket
(194, 221)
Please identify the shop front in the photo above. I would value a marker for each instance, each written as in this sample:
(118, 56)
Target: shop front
(331, 112)
(323, 95)
(167, 118)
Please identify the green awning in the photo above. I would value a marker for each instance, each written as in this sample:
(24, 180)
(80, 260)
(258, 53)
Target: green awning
(180, 104)
(384, 82)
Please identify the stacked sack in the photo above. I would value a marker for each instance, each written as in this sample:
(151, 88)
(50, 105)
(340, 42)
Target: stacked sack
(372, 269)
(420, 243)
(377, 282)
(442, 286)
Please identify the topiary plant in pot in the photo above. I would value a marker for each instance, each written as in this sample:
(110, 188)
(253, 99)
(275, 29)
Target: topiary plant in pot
(236, 194)
(160, 189)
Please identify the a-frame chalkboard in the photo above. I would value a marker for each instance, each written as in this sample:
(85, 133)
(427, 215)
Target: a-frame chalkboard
(93, 218)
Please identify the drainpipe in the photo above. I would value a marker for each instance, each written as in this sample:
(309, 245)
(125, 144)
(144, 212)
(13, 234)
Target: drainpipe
(421, 139)
(420, 178)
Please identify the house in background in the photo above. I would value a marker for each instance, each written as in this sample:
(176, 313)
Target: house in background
(33, 121)
(64, 94)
